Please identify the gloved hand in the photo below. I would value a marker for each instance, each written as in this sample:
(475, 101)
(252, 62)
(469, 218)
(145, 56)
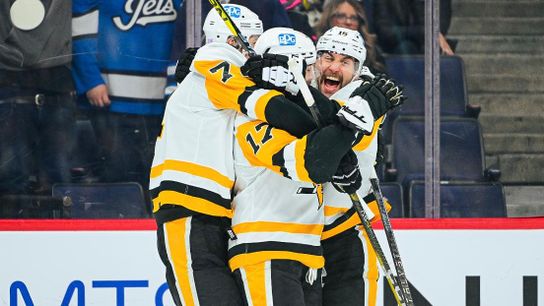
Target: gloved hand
(389, 90)
(184, 63)
(356, 113)
(270, 71)
(347, 178)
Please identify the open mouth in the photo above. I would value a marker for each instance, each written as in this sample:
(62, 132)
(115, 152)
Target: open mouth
(330, 84)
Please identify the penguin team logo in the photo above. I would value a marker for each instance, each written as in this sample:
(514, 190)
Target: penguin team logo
(287, 39)
(234, 12)
(143, 12)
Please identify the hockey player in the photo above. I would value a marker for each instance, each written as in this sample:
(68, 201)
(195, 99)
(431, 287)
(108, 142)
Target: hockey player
(278, 217)
(276, 223)
(351, 275)
(351, 266)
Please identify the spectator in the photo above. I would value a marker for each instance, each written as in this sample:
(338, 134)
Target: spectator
(400, 26)
(351, 14)
(271, 12)
(37, 110)
(122, 52)
(299, 20)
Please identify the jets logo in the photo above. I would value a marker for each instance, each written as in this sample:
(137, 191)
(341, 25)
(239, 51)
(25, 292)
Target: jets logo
(143, 12)
(287, 39)
(234, 12)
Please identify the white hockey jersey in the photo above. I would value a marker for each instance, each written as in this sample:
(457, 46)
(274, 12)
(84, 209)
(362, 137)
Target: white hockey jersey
(193, 163)
(274, 217)
(339, 214)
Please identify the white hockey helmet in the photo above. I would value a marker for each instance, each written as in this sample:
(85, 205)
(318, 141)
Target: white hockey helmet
(247, 22)
(286, 41)
(344, 41)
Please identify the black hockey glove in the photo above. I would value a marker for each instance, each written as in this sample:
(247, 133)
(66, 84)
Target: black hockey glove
(393, 93)
(347, 178)
(184, 63)
(382, 95)
(270, 71)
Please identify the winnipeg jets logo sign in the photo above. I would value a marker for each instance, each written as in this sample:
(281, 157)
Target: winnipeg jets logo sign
(143, 12)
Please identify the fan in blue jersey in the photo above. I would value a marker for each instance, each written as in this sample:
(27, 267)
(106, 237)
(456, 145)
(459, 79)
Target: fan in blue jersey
(121, 51)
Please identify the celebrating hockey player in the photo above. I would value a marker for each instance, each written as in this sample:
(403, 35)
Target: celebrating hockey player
(351, 264)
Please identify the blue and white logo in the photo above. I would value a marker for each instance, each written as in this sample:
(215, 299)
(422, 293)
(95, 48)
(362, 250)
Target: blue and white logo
(234, 12)
(287, 39)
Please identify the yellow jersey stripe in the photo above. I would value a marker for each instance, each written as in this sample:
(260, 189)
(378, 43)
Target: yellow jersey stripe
(262, 102)
(241, 260)
(194, 169)
(263, 226)
(331, 211)
(300, 150)
(349, 223)
(193, 203)
(367, 139)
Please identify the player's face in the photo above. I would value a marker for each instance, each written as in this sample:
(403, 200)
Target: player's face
(335, 71)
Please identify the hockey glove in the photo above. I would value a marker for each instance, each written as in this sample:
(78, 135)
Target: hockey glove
(347, 178)
(393, 92)
(356, 115)
(270, 71)
(184, 64)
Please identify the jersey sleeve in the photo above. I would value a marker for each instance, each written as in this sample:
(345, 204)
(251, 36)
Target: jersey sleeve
(227, 88)
(362, 143)
(86, 73)
(312, 158)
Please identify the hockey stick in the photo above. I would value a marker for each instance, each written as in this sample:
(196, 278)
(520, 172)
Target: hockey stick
(392, 242)
(232, 27)
(365, 214)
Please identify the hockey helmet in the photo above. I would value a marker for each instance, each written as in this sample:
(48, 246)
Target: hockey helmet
(247, 22)
(344, 41)
(286, 41)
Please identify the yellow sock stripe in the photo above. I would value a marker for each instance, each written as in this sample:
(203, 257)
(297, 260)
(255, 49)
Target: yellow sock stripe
(242, 260)
(194, 169)
(255, 278)
(177, 235)
(263, 226)
(193, 203)
(372, 272)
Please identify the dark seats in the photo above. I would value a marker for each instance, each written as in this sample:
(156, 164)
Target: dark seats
(409, 71)
(461, 199)
(86, 156)
(393, 192)
(100, 200)
(20, 206)
(461, 150)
